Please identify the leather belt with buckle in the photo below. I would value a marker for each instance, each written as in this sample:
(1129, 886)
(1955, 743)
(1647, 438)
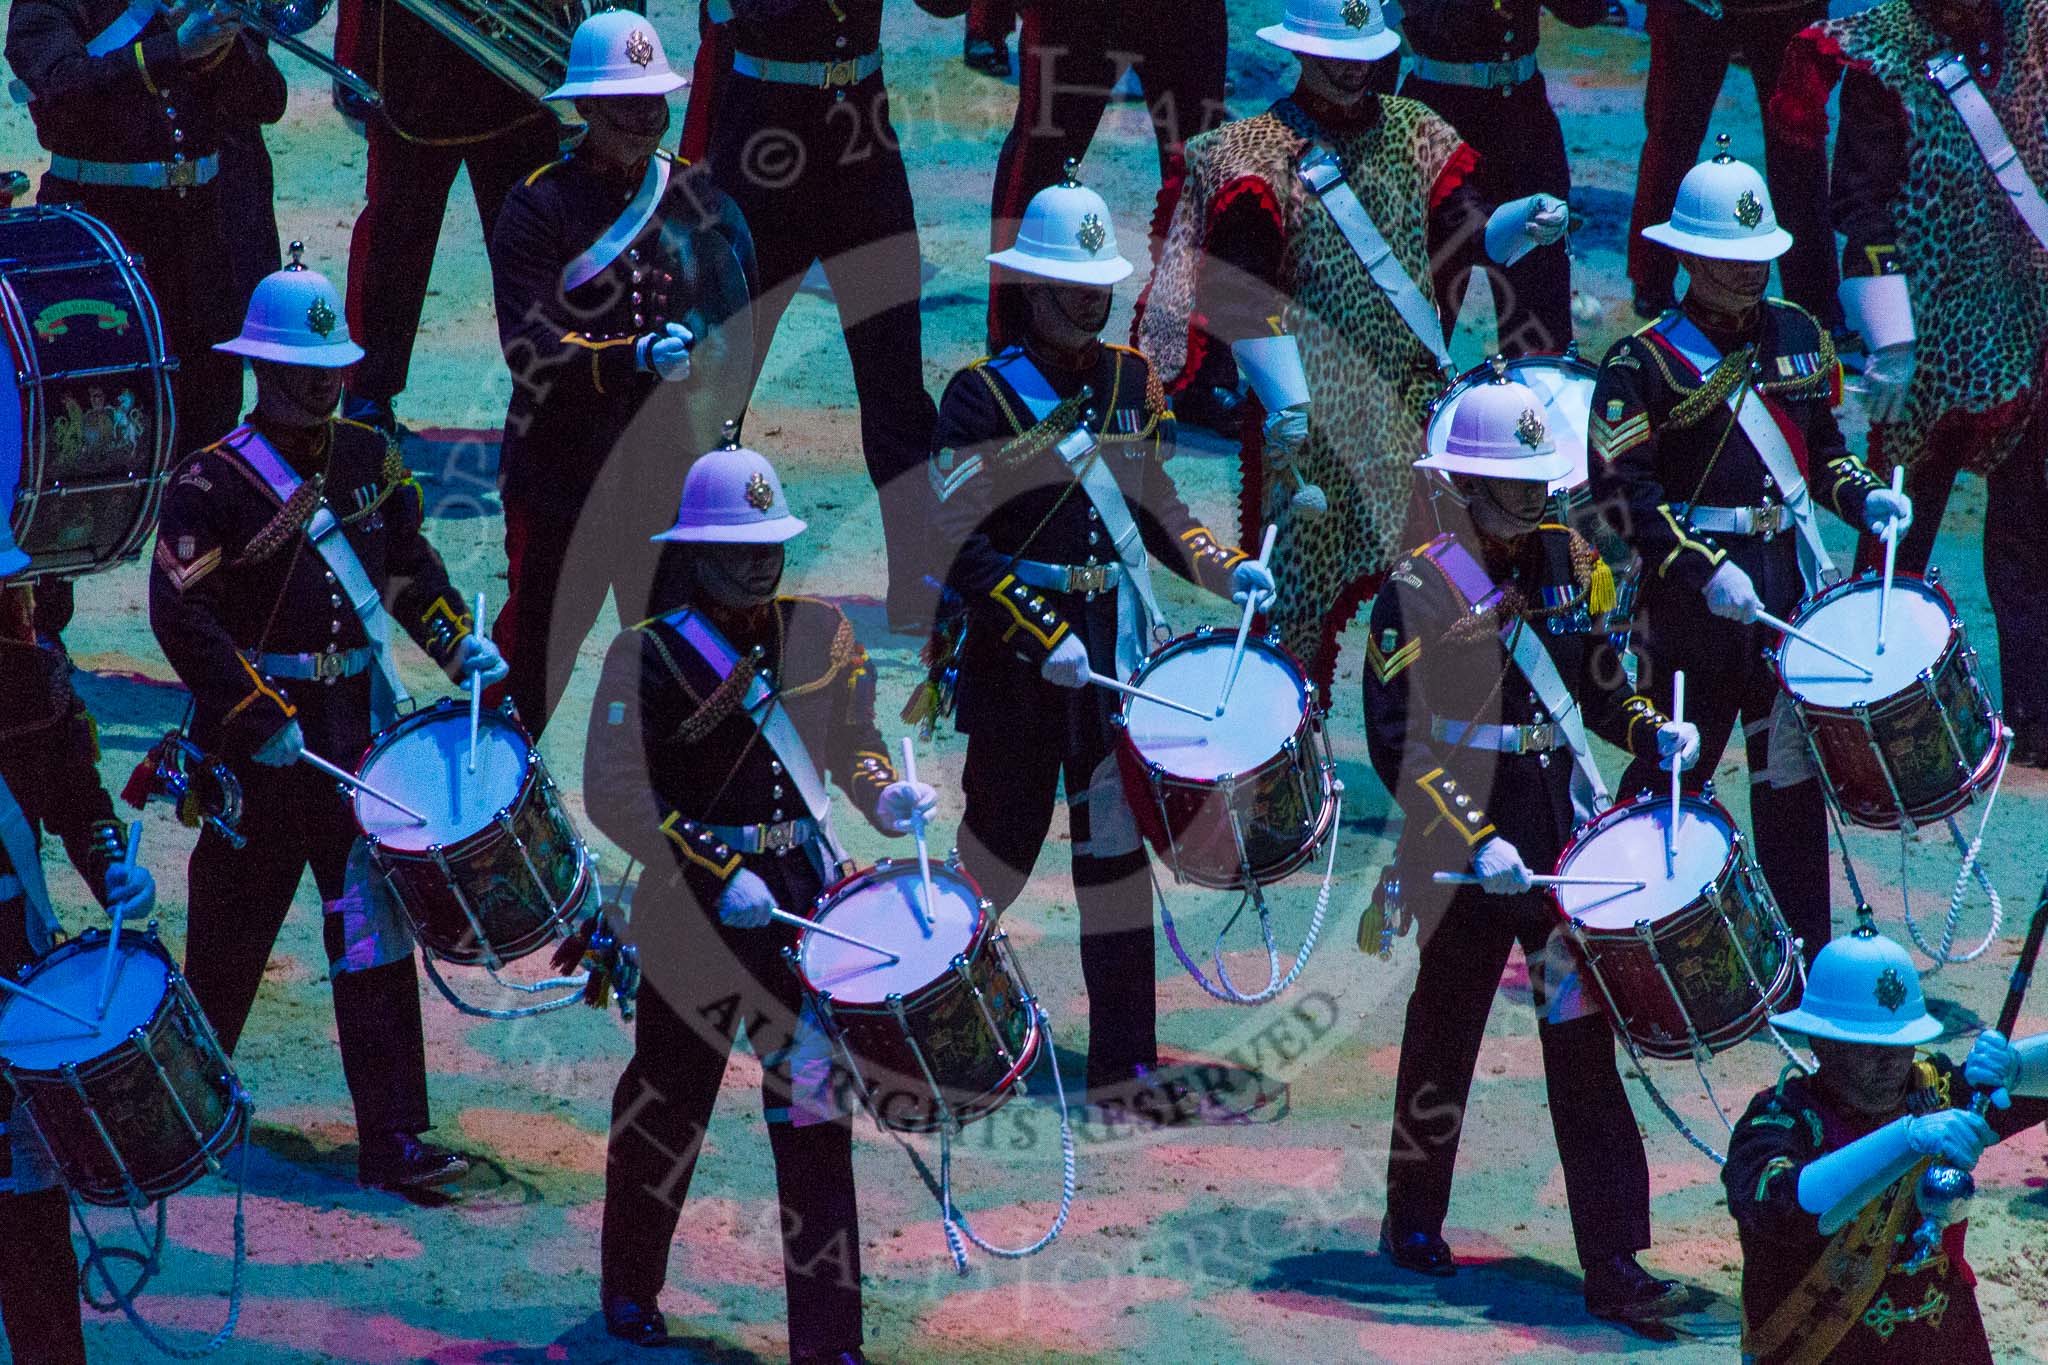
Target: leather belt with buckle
(327, 667)
(1765, 521)
(778, 838)
(1501, 75)
(1082, 578)
(141, 175)
(833, 75)
(1501, 739)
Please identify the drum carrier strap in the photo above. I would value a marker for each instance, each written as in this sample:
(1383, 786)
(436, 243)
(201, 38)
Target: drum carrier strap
(387, 692)
(1980, 120)
(1138, 613)
(777, 729)
(1760, 425)
(1469, 579)
(624, 229)
(1323, 176)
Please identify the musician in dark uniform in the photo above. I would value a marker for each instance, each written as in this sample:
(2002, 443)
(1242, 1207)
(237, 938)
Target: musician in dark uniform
(1688, 486)
(131, 109)
(1824, 1171)
(1474, 63)
(260, 626)
(688, 779)
(1035, 564)
(589, 305)
(443, 112)
(49, 783)
(1479, 752)
(1691, 45)
(795, 114)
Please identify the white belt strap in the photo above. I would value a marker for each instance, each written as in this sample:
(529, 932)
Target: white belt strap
(388, 693)
(18, 839)
(1138, 613)
(624, 231)
(114, 36)
(1981, 121)
(1816, 569)
(1525, 646)
(1324, 177)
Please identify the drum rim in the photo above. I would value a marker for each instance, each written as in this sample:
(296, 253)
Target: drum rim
(529, 782)
(117, 1056)
(1622, 810)
(985, 928)
(1311, 707)
(1819, 600)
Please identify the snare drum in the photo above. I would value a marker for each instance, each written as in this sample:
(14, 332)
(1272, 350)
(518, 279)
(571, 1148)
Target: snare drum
(1249, 794)
(138, 1107)
(498, 870)
(1916, 741)
(1696, 960)
(941, 1037)
(86, 430)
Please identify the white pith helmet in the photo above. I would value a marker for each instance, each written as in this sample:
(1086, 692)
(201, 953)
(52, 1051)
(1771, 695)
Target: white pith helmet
(1067, 235)
(616, 52)
(1498, 432)
(1863, 989)
(1349, 30)
(295, 317)
(732, 496)
(1723, 211)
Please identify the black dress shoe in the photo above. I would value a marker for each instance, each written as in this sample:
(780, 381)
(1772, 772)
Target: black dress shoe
(1210, 406)
(634, 1321)
(989, 58)
(1425, 1253)
(1618, 1288)
(1651, 304)
(402, 1162)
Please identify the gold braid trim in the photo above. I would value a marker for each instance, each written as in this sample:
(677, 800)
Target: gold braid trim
(1042, 437)
(394, 476)
(284, 526)
(1821, 379)
(846, 651)
(1713, 393)
(715, 709)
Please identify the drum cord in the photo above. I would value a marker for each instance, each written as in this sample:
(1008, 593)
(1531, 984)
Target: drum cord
(151, 1262)
(955, 1220)
(1227, 991)
(573, 985)
(1941, 953)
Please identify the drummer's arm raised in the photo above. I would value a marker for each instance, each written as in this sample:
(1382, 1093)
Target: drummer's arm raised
(1626, 472)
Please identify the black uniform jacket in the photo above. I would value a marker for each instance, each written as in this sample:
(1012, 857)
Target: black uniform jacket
(576, 383)
(1663, 438)
(1436, 654)
(1005, 494)
(672, 749)
(1784, 1130)
(49, 756)
(140, 102)
(433, 91)
(234, 575)
(1487, 30)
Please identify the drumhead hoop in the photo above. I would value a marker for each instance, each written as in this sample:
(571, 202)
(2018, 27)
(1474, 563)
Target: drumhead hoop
(878, 906)
(1628, 842)
(423, 761)
(34, 1039)
(1268, 704)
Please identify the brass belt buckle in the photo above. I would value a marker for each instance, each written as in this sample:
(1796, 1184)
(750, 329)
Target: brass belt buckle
(779, 837)
(328, 667)
(841, 73)
(181, 175)
(1769, 520)
(1500, 75)
(1091, 577)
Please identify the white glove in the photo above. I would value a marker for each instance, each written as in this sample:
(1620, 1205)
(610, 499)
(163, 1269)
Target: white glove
(1501, 869)
(131, 892)
(1885, 511)
(1730, 594)
(478, 657)
(903, 805)
(667, 353)
(1955, 1137)
(1994, 1065)
(745, 902)
(1519, 226)
(1680, 737)
(284, 748)
(1887, 374)
(1250, 577)
(1067, 665)
(1286, 432)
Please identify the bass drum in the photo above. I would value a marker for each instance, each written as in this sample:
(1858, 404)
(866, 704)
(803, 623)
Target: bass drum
(86, 428)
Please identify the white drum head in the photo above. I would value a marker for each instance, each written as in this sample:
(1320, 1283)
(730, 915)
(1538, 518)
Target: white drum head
(880, 909)
(426, 765)
(1916, 631)
(1631, 846)
(1266, 707)
(35, 1039)
(1566, 388)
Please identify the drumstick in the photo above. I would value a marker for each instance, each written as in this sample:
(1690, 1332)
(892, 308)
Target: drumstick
(1787, 628)
(1244, 625)
(38, 998)
(814, 927)
(1142, 695)
(114, 936)
(1677, 811)
(924, 853)
(1891, 557)
(1545, 879)
(476, 681)
(348, 778)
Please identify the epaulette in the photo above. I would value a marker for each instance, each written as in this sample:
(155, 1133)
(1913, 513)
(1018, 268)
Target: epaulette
(1155, 391)
(841, 649)
(1803, 370)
